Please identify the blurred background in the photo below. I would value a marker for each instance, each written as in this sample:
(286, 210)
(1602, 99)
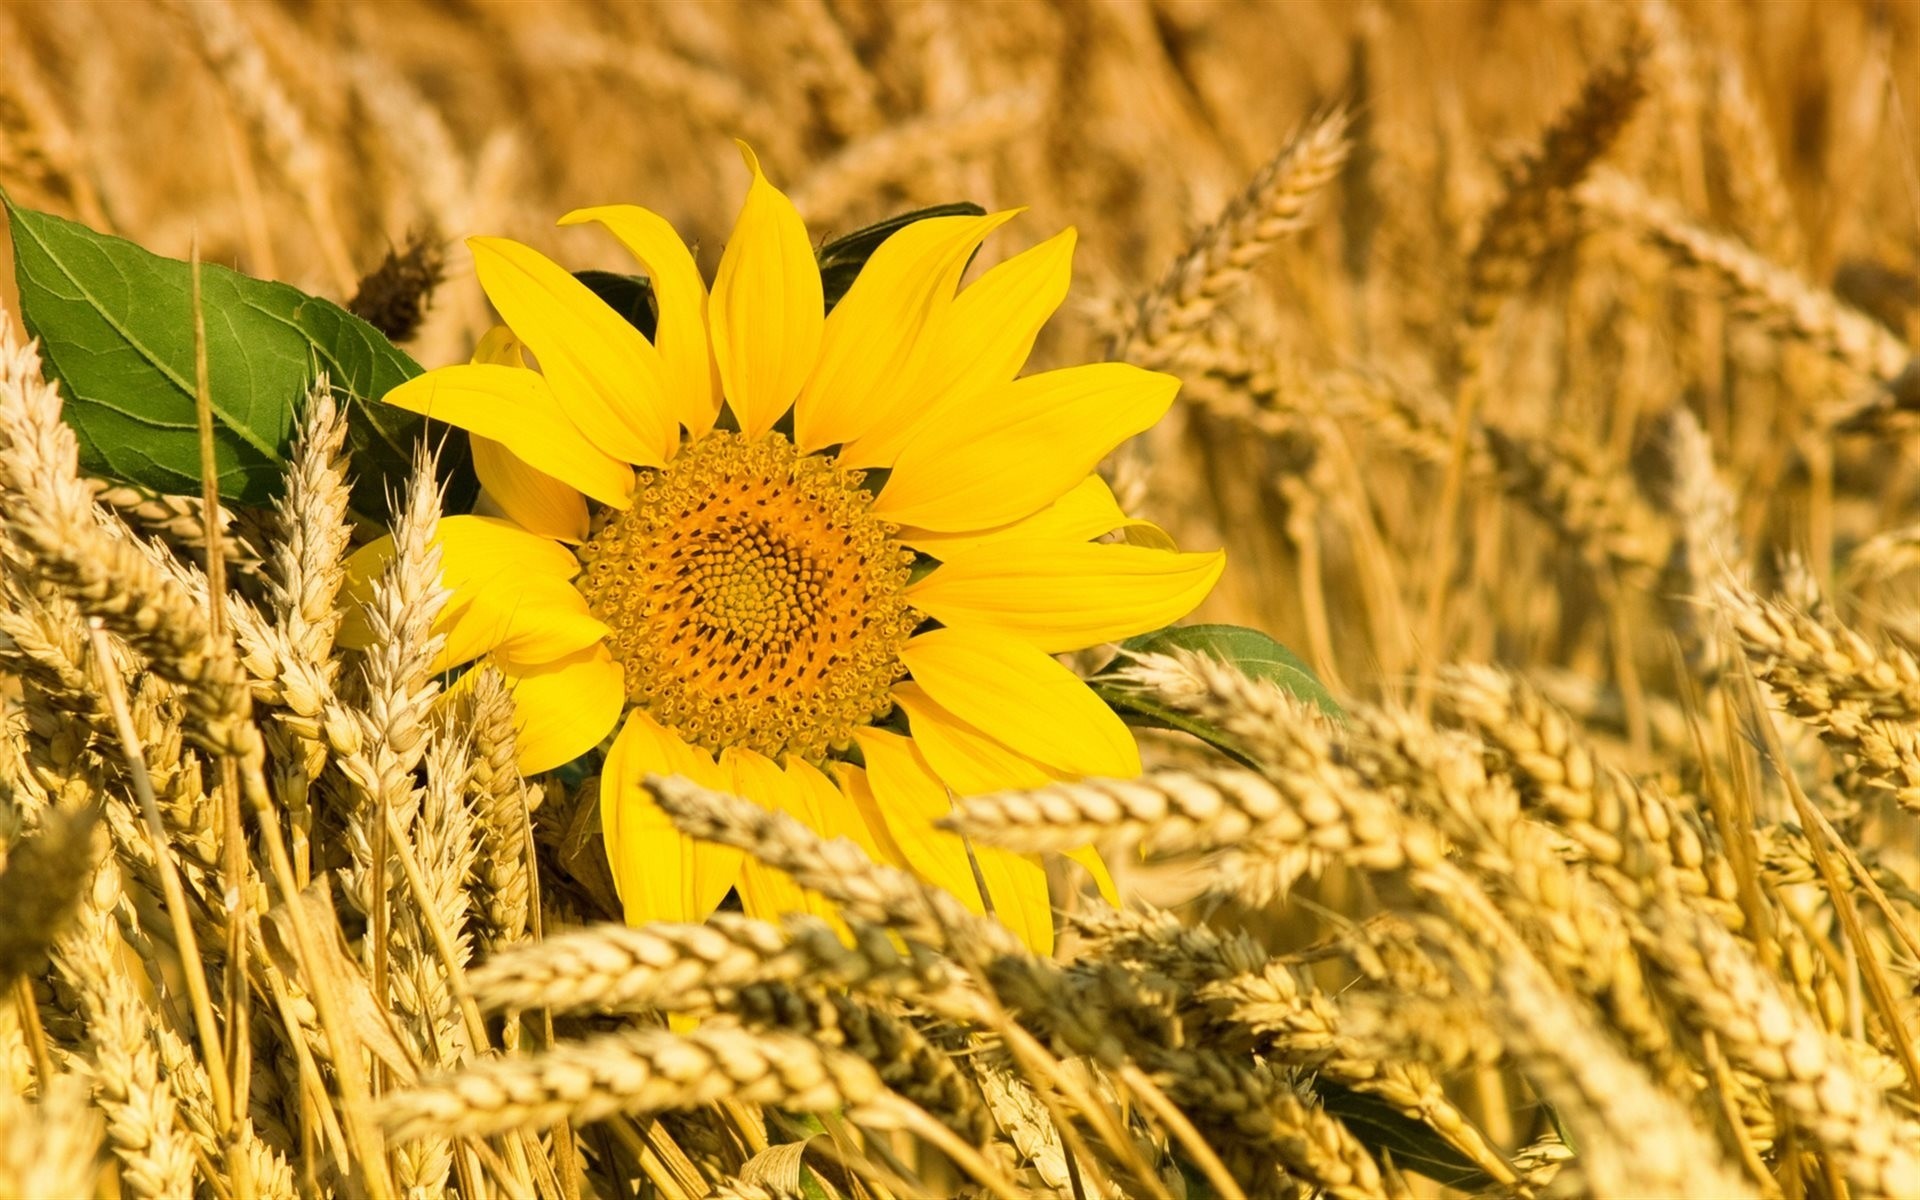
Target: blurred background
(303, 141)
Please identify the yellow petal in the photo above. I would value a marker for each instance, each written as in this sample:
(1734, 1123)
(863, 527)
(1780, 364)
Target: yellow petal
(473, 549)
(968, 761)
(1014, 450)
(531, 498)
(1018, 696)
(532, 620)
(686, 358)
(1096, 866)
(853, 785)
(980, 342)
(752, 776)
(662, 875)
(499, 347)
(1060, 596)
(875, 338)
(911, 798)
(563, 708)
(830, 811)
(516, 408)
(605, 376)
(972, 763)
(1017, 885)
(1086, 512)
(766, 893)
(473, 552)
(767, 309)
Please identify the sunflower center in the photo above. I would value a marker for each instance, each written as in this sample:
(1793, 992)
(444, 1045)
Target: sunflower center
(754, 598)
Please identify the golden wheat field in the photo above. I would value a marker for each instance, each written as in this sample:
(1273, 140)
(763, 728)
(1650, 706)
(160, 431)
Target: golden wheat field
(742, 792)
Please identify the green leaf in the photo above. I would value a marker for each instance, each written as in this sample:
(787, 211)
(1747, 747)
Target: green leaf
(1252, 652)
(842, 258)
(629, 295)
(1415, 1146)
(115, 324)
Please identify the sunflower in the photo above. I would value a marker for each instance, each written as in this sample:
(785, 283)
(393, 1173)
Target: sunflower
(822, 560)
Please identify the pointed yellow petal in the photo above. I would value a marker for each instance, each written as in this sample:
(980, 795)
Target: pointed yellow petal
(875, 338)
(1096, 866)
(767, 309)
(662, 875)
(499, 347)
(473, 552)
(563, 708)
(767, 894)
(1060, 596)
(531, 498)
(830, 811)
(853, 785)
(515, 407)
(1017, 885)
(604, 375)
(692, 383)
(911, 798)
(1016, 449)
(978, 343)
(968, 761)
(972, 763)
(1086, 512)
(753, 776)
(533, 620)
(1018, 696)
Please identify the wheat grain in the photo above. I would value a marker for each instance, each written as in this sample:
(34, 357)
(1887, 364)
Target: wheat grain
(639, 1071)
(687, 967)
(52, 1147)
(1272, 207)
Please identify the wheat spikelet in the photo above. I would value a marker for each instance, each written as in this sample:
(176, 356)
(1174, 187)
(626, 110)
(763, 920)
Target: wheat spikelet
(267, 1168)
(1823, 667)
(1748, 166)
(1177, 812)
(441, 839)
(140, 1105)
(1642, 1142)
(906, 1060)
(394, 721)
(178, 521)
(688, 967)
(1622, 824)
(1301, 1026)
(838, 870)
(1535, 208)
(502, 801)
(1272, 207)
(1586, 502)
(51, 515)
(41, 886)
(50, 1147)
(1706, 541)
(640, 1071)
(1815, 316)
(233, 53)
(1578, 931)
(1717, 984)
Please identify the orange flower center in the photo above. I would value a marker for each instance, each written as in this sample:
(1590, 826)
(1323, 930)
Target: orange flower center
(754, 598)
